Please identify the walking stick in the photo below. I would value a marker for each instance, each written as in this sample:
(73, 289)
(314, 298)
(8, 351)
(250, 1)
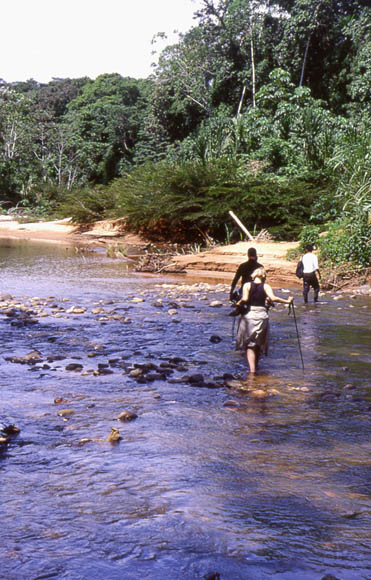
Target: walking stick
(291, 305)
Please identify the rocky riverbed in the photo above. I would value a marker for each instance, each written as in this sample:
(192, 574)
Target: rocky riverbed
(139, 446)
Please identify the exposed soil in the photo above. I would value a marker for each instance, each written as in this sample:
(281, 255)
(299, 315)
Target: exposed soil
(224, 260)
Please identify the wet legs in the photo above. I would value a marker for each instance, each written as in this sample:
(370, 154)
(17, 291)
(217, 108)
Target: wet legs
(253, 355)
(310, 280)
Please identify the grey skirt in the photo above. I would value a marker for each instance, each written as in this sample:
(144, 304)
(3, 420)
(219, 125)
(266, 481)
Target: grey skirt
(253, 329)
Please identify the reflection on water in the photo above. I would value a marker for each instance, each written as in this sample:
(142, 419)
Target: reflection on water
(206, 479)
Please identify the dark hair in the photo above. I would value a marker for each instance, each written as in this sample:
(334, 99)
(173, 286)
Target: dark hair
(309, 248)
(251, 252)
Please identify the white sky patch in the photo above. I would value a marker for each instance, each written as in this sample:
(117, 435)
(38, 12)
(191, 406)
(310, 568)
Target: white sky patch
(41, 39)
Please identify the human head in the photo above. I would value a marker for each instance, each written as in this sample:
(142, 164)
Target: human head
(259, 273)
(251, 253)
(309, 248)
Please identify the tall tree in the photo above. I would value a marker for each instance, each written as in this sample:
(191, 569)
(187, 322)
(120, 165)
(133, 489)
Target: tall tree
(107, 116)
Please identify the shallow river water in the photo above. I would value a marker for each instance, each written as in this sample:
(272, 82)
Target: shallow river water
(263, 479)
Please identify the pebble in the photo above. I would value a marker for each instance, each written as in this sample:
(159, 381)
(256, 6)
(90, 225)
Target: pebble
(76, 310)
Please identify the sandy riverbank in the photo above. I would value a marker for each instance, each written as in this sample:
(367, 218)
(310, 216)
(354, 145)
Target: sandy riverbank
(219, 262)
(65, 231)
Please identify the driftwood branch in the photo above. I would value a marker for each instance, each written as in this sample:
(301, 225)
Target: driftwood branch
(240, 224)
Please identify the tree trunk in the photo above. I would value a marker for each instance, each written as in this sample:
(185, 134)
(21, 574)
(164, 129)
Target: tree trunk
(304, 62)
(241, 101)
(253, 72)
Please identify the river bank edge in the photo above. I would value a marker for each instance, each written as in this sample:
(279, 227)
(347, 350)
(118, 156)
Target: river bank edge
(218, 262)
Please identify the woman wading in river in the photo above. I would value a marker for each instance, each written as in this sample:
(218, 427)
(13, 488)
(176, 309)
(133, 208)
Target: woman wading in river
(253, 328)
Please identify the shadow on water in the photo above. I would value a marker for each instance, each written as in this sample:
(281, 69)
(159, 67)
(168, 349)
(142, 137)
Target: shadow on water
(267, 478)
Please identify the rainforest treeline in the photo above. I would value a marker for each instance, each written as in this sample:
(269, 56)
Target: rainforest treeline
(262, 108)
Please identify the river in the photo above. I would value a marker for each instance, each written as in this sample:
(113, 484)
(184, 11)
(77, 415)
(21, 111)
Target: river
(267, 481)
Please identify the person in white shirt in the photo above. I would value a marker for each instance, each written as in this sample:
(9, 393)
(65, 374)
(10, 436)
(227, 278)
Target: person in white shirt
(311, 273)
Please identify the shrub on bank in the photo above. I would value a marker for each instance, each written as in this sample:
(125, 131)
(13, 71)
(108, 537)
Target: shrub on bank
(347, 241)
(185, 198)
(88, 204)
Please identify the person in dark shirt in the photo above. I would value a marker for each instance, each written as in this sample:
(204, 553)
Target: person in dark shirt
(244, 271)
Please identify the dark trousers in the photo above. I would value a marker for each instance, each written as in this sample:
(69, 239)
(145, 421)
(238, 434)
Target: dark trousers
(310, 280)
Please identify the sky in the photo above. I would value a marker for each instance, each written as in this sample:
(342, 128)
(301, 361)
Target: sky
(42, 39)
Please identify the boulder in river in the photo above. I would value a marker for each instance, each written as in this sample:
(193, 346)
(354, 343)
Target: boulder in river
(114, 436)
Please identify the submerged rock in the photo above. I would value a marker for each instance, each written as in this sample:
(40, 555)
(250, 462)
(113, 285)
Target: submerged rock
(66, 413)
(102, 371)
(127, 416)
(259, 394)
(194, 379)
(231, 403)
(76, 367)
(30, 358)
(233, 384)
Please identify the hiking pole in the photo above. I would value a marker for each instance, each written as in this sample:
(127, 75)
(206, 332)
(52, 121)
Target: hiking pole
(233, 325)
(291, 305)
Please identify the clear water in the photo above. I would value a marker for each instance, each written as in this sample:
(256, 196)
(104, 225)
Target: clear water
(205, 480)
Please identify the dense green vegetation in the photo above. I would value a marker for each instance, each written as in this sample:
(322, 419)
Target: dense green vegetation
(263, 107)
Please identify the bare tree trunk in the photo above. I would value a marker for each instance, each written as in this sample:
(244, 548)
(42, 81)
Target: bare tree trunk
(304, 62)
(253, 71)
(241, 101)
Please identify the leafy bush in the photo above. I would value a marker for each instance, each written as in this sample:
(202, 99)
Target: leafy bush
(181, 199)
(309, 235)
(88, 204)
(347, 242)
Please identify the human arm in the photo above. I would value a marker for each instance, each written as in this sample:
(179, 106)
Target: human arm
(234, 282)
(271, 295)
(316, 268)
(245, 292)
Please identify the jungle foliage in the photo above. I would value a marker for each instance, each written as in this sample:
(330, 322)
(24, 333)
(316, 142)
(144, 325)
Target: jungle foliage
(263, 107)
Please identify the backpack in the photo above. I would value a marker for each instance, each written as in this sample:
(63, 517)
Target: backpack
(300, 269)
